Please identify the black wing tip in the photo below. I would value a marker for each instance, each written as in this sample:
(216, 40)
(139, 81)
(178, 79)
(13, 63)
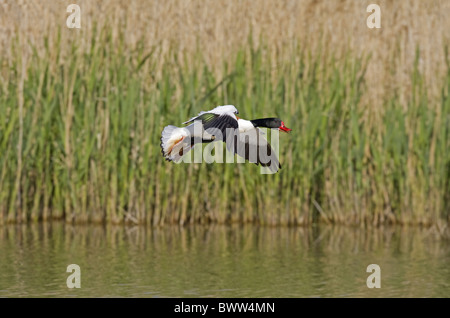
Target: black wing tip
(267, 165)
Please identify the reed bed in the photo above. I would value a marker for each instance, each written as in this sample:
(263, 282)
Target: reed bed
(81, 113)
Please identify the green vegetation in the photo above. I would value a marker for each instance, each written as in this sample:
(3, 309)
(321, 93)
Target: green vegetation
(79, 139)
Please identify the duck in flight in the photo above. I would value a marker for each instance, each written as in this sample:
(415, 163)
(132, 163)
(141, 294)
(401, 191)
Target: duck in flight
(243, 137)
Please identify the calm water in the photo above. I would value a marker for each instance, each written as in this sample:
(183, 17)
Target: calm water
(220, 261)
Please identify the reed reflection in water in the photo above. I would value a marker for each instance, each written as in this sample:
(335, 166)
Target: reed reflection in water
(221, 261)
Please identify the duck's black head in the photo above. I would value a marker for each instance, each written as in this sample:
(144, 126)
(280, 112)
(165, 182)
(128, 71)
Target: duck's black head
(270, 123)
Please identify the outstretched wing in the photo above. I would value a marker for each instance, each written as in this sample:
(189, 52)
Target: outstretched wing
(215, 124)
(221, 123)
(254, 147)
(204, 117)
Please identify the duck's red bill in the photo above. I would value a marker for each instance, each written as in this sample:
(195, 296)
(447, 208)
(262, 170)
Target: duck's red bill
(284, 128)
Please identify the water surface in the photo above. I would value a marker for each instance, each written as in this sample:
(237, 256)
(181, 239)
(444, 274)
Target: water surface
(221, 261)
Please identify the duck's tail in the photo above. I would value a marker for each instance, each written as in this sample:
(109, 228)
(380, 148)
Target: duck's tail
(175, 142)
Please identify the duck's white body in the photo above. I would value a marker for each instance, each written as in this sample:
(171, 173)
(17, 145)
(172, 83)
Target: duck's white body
(245, 125)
